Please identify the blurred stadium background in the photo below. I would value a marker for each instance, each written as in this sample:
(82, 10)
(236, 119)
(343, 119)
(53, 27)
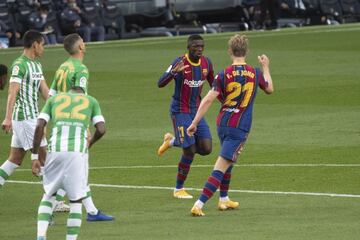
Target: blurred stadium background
(123, 19)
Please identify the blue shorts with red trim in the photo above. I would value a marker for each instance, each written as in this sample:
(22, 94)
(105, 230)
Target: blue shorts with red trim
(181, 121)
(232, 141)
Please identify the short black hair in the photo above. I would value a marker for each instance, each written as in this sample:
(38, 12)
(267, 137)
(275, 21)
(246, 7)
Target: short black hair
(32, 36)
(70, 43)
(3, 70)
(194, 37)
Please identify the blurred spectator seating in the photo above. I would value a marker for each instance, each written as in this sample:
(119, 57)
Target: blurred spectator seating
(22, 13)
(351, 10)
(252, 8)
(72, 20)
(293, 9)
(91, 10)
(45, 21)
(5, 35)
(8, 24)
(98, 20)
(331, 9)
(113, 20)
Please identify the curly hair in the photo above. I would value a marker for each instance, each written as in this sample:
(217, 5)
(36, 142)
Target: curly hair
(238, 44)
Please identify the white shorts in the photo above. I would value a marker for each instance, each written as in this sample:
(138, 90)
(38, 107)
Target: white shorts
(66, 170)
(23, 134)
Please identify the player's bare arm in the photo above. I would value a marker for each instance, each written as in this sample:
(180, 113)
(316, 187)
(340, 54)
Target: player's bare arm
(39, 131)
(100, 131)
(44, 89)
(14, 88)
(265, 62)
(203, 108)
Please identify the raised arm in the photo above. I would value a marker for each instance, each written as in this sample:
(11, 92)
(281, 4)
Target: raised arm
(264, 61)
(14, 88)
(175, 68)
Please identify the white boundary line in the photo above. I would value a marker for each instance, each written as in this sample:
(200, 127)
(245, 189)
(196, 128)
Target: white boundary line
(238, 165)
(198, 189)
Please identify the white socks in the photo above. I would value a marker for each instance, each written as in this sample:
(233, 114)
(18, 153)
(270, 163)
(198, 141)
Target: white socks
(224, 199)
(74, 221)
(44, 215)
(6, 170)
(199, 204)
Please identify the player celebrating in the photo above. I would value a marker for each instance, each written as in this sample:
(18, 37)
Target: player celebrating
(22, 104)
(74, 73)
(189, 72)
(66, 163)
(236, 87)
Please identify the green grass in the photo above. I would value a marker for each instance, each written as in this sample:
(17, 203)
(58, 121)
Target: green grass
(312, 118)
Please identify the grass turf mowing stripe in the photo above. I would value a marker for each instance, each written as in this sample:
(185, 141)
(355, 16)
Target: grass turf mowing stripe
(338, 195)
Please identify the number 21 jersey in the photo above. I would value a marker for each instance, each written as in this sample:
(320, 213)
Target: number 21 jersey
(237, 85)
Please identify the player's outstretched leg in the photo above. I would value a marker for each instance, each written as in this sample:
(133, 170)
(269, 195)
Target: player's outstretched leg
(94, 214)
(74, 221)
(183, 170)
(168, 143)
(6, 169)
(209, 189)
(224, 202)
(60, 205)
(44, 216)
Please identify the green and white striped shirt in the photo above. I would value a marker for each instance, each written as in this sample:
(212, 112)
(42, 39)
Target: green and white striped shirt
(70, 114)
(28, 73)
(71, 73)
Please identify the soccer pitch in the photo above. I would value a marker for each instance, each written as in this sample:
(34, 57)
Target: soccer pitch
(298, 177)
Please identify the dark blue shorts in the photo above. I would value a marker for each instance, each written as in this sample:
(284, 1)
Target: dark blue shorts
(181, 121)
(232, 140)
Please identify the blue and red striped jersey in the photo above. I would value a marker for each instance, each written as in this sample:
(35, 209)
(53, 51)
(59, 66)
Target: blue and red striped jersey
(188, 83)
(237, 85)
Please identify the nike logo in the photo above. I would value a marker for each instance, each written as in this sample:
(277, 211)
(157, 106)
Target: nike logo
(186, 72)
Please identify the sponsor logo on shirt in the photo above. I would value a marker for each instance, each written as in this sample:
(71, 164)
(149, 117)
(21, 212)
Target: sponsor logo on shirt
(193, 83)
(37, 75)
(235, 110)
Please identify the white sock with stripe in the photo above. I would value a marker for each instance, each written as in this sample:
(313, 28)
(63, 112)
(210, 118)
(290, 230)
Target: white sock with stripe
(74, 221)
(60, 194)
(6, 170)
(89, 204)
(44, 215)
